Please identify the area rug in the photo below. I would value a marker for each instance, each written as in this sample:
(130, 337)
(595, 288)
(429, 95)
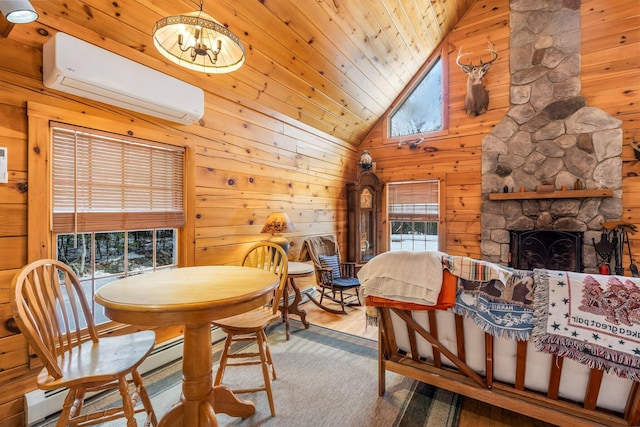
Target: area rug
(592, 319)
(324, 378)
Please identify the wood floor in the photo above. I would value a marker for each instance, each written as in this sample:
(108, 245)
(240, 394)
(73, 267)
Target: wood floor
(474, 413)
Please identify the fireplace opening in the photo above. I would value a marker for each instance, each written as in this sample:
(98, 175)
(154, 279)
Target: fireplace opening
(549, 249)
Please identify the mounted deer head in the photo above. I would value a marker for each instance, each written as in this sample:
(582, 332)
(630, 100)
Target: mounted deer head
(477, 99)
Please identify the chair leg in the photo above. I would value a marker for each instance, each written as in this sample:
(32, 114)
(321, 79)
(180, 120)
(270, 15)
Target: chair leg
(223, 359)
(127, 405)
(69, 407)
(72, 407)
(146, 401)
(268, 352)
(265, 371)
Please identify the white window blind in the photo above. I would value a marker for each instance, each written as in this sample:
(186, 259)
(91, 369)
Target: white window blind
(104, 182)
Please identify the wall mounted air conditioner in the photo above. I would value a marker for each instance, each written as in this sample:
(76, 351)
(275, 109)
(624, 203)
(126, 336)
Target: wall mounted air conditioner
(80, 68)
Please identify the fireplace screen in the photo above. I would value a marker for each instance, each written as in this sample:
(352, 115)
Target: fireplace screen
(550, 249)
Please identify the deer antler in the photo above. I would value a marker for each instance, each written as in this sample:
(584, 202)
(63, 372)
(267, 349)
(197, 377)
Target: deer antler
(460, 55)
(494, 56)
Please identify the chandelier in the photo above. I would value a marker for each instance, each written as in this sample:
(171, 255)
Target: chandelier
(198, 42)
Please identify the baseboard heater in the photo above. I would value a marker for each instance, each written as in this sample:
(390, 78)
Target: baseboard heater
(40, 404)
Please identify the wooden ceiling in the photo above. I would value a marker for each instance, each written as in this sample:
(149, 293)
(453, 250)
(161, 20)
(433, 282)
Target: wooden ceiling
(335, 65)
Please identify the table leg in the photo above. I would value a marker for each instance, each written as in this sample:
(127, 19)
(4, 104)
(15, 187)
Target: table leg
(198, 404)
(294, 307)
(284, 309)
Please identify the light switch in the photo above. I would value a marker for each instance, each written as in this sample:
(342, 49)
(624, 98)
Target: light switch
(4, 175)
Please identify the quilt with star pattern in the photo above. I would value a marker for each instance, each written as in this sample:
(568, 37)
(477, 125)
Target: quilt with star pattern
(592, 319)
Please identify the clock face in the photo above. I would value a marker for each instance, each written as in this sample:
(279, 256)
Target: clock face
(366, 199)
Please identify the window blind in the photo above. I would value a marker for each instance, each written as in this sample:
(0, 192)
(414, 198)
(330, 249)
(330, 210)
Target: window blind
(104, 182)
(413, 201)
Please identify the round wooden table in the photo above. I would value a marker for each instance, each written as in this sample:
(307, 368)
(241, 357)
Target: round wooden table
(191, 296)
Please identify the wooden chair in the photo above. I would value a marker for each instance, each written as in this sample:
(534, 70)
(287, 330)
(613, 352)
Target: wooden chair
(251, 326)
(51, 310)
(336, 280)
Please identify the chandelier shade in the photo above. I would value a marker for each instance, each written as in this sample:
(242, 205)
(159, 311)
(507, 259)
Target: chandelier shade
(198, 42)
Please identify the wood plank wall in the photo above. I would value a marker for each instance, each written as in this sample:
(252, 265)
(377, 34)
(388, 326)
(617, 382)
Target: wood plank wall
(610, 52)
(248, 164)
(243, 165)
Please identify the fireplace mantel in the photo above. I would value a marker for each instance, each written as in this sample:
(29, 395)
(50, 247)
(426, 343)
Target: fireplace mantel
(568, 194)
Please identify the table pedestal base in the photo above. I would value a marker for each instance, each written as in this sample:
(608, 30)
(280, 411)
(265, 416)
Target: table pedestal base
(222, 400)
(294, 307)
(200, 400)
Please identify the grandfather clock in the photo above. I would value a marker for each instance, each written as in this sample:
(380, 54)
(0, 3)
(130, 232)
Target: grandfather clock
(365, 207)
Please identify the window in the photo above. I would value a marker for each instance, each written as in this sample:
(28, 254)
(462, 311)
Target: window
(421, 111)
(117, 205)
(413, 215)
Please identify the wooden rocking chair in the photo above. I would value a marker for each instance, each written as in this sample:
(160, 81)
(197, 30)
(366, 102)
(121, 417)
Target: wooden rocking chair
(336, 280)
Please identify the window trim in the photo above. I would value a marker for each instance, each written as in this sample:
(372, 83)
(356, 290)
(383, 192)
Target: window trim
(439, 53)
(424, 218)
(125, 212)
(40, 243)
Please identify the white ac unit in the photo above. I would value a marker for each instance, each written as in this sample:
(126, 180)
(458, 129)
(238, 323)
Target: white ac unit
(80, 68)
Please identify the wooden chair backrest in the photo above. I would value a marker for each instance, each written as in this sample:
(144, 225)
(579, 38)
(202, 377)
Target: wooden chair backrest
(51, 310)
(271, 257)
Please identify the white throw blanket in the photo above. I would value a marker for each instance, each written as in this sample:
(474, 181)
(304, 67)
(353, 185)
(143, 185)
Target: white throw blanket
(404, 276)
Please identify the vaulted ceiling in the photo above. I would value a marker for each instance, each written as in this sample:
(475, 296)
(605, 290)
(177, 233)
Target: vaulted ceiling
(335, 65)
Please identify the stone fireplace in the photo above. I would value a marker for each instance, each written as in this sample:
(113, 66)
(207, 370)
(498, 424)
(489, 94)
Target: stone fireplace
(549, 136)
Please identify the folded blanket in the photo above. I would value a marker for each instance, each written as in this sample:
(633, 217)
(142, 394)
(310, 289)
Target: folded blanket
(404, 276)
(476, 270)
(501, 319)
(446, 299)
(592, 319)
(517, 289)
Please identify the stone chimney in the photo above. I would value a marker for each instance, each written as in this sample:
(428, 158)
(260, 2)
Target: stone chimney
(549, 136)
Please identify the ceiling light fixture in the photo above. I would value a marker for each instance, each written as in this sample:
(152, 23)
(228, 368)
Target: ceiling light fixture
(18, 11)
(198, 42)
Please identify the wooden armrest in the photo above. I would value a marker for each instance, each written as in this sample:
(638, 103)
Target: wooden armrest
(325, 274)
